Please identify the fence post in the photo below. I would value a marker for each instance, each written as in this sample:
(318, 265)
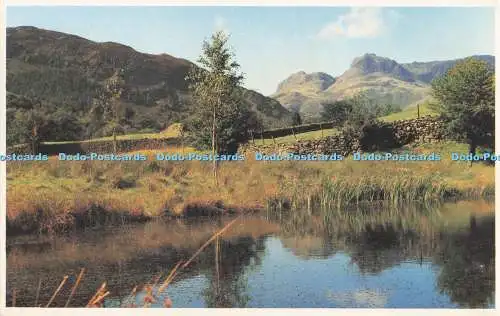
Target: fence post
(253, 139)
(321, 128)
(262, 136)
(418, 110)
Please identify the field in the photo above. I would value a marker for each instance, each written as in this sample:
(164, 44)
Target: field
(172, 131)
(300, 136)
(410, 113)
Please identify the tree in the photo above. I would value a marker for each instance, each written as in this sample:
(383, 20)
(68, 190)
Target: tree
(26, 127)
(337, 112)
(355, 110)
(27, 124)
(296, 119)
(465, 98)
(63, 126)
(385, 109)
(107, 106)
(220, 120)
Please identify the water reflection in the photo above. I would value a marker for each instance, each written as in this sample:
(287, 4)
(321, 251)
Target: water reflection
(228, 286)
(467, 259)
(377, 257)
(362, 298)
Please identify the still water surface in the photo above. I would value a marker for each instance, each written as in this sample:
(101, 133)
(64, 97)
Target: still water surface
(374, 257)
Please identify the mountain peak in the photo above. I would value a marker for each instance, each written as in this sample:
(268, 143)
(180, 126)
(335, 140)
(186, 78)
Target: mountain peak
(371, 63)
(300, 81)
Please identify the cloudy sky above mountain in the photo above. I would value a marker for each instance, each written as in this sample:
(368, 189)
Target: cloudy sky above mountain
(271, 43)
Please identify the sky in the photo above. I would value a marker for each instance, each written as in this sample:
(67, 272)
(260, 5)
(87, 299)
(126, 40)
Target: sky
(271, 43)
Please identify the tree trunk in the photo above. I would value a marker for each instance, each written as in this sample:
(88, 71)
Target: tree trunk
(217, 259)
(472, 149)
(114, 140)
(213, 147)
(34, 140)
(33, 146)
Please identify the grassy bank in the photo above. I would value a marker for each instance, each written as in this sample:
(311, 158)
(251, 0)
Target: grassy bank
(55, 195)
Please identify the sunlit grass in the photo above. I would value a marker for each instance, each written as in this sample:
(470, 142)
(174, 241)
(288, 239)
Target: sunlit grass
(44, 193)
(172, 131)
(410, 113)
(299, 136)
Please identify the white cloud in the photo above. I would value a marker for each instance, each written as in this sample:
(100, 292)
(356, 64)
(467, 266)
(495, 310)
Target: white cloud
(360, 23)
(220, 24)
(361, 298)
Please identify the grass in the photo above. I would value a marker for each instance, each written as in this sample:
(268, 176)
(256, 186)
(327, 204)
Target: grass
(410, 113)
(172, 131)
(301, 136)
(55, 195)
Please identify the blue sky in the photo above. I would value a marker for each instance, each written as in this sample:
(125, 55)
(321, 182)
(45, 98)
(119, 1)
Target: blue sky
(271, 43)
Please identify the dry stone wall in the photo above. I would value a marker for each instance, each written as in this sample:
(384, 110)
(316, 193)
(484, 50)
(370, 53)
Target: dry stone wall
(422, 130)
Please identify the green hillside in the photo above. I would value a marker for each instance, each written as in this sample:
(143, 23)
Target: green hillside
(61, 75)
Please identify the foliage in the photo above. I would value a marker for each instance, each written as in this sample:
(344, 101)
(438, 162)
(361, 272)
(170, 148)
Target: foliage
(465, 98)
(356, 110)
(358, 118)
(32, 120)
(337, 112)
(106, 107)
(296, 119)
(386, 109)
(220, 111)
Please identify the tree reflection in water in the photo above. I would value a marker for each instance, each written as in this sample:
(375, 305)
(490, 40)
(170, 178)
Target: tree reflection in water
(377, 242)
(228, 288)
(467, 259)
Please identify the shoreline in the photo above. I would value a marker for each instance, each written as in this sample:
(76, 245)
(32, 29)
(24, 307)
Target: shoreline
(96, 217)
(54, 195)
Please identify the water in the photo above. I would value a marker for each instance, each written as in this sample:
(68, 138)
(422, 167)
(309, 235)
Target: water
(375, 257)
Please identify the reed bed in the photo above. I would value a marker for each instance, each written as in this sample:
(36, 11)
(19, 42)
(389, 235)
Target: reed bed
(58, 195)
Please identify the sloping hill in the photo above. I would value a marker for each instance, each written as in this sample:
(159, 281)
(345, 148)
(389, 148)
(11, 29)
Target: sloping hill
(65, 71)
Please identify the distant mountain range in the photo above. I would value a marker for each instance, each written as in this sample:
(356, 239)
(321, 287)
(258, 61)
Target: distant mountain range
(65, 71)
(384, 79)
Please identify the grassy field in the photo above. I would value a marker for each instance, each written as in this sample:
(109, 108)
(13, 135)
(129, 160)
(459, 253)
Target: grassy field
(171, 132)
(300, 136)
(44, 195)
(410, 113)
